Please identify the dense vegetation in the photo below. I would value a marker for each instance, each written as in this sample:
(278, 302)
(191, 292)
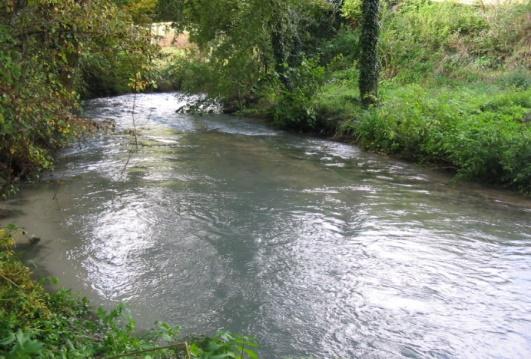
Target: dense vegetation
(53, 53)
(454, 86)
(454, 91)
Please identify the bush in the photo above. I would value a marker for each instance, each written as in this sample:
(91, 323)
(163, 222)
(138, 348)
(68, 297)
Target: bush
(518, 79)
(48, 51)
(338, 101)
(344, 46)
(295, 108)
(189, 74)
(423, 40)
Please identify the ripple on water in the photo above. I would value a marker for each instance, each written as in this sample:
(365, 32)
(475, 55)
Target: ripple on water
(314, 246)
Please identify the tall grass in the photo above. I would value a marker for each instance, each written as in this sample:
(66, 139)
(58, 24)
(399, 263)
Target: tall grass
(455, 90)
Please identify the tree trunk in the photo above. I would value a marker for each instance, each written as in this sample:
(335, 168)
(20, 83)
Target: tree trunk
(279, 55)
(369, 67)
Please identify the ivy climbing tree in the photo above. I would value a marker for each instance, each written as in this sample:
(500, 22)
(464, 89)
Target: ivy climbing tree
(248, 42)
(368, 80)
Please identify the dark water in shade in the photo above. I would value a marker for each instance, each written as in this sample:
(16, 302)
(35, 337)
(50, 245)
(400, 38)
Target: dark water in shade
(313, 246)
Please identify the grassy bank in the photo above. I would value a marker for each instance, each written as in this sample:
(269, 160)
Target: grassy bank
(456, 91)
(36, 323)
(479, 131)
(455, 88)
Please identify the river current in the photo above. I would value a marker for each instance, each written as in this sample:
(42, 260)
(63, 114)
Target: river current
(316, 248)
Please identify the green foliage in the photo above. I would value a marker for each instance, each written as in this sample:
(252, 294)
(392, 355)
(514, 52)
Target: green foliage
(517, 79)
(474, 131)
(344, 46)
(142, 11)
(421, 40)
(38, 323)
(295, 108)
(51, 52)
(338, 101)
(244, 43)
(23, 347)
(224, 345)
(191, 73)
(352, 9)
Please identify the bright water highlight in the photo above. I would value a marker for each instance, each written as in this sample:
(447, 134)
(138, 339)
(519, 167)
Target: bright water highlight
(313, 246)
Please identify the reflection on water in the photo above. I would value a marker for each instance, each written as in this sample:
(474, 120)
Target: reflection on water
(315, 247)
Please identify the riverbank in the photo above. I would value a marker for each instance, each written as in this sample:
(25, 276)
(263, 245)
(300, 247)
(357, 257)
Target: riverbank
(479, 132)
(37, 322)
(454, 92)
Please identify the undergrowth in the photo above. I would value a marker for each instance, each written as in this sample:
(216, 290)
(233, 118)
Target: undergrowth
(36, 323)
(52, 54)
(477, 131)
(454, 90)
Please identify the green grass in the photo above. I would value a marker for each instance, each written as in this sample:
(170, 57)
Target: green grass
(476, 130)
(455, 90)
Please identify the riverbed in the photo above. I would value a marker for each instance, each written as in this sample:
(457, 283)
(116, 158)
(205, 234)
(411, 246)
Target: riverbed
(315, 247)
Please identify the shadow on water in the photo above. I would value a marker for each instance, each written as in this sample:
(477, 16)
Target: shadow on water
(9, 213)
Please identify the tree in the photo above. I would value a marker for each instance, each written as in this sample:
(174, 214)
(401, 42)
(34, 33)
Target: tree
(251, 42)
(369, 67)
(142, 11)
(51, 52)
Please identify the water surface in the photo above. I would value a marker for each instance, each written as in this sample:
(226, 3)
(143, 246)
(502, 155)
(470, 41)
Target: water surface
(316, 248)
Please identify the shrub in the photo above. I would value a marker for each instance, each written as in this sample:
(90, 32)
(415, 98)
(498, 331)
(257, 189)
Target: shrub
(295, 109)
(344, 47)
(421, 39)
(48, 49)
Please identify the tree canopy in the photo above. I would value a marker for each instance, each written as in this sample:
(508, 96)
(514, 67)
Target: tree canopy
(53, 52)
(248, 41)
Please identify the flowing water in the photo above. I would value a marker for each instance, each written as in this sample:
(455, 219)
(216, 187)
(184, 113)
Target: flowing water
(314, 247)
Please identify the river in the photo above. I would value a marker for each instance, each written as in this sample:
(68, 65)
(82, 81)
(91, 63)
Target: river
(315, 247)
